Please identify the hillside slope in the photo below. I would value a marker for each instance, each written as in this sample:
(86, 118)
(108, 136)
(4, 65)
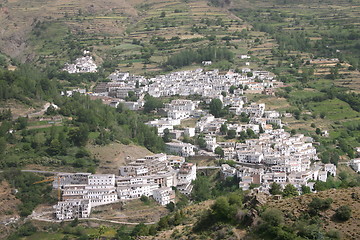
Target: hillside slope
(8, 208)
(349, 229)
(292, 208)
(114, 155)
(18, 18)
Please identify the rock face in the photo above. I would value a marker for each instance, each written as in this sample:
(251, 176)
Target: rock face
(255, 199)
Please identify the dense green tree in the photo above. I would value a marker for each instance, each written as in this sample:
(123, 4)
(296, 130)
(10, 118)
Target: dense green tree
(177, 218)
(346, 147)
(55, 147)
(163, 223)
(5, 115)
(51, 110)
(201, 142)
(131, 97)
(275, 189)
(152, 230)
(330, 156)
(290, 191)
(140, 230)
(223, 129)
(21, 123)
(343, 213)
(231, 134)
(166, 136)
(309, 231)
(27, 229)
(189, 56)
(232, 89)
(79, 135)
(305, 189)
(201, 189)
(273, 217)
(219, 151)
(318, 204)
(221, 209)
(318, 131)
(152, 103)
(216, 107)
(30, 194)
(171, 206)
(250, 133)
(2, 145)
(244, 118)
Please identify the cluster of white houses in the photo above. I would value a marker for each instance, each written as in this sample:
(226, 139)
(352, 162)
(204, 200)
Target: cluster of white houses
(84, 64)
(207, 84)
(261, 177)
(276, 157)
(273, 156)
(153, 175)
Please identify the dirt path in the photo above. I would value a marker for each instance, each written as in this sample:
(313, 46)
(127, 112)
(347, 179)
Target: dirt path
(40, 112)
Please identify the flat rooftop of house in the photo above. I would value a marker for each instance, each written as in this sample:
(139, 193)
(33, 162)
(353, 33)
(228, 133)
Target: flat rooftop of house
(74, 185)
(71, 174)
(179, 144)
(101, 189)
(83, 201)
(137, 185)
(102, 175)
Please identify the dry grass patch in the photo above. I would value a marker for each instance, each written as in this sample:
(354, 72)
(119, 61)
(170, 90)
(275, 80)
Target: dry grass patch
(297, 205)
(114, 155)
(134, 211)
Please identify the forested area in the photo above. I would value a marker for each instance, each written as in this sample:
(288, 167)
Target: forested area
(29, 193)
(84, 121)
(189, 56)
(26, 83)
(88, 121)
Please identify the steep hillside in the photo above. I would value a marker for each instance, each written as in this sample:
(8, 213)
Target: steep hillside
(8, 207)
(135, 36)
(18, 19)
(295, 207)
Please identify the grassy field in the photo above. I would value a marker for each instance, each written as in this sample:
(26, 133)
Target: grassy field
(334, 109)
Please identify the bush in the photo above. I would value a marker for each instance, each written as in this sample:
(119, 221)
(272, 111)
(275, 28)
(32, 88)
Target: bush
(333, 234)
(273, 217)
(318, 204)
(140, 230)
(275, 189)
(26, 230)
(343, 213)
(310, 231)
(170, 206)
(82, 152)
(144, 199)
